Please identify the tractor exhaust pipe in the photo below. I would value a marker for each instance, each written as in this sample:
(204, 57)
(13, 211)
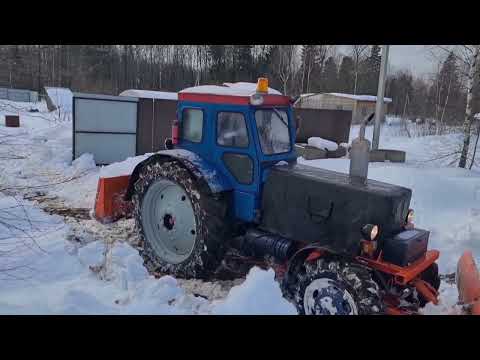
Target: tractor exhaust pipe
(360, 153)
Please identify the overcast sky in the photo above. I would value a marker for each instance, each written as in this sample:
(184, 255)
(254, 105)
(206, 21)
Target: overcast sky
(415, 58)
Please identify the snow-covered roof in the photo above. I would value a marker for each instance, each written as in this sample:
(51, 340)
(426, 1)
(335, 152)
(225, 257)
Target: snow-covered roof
(232, 89)
(360, 97)
(150, 94)
(61, 98)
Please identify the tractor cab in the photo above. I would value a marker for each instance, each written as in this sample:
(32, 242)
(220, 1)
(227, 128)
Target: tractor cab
(241, 130)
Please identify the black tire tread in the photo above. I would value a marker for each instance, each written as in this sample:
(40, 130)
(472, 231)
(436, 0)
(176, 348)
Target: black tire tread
(354, 277)
(210, 212)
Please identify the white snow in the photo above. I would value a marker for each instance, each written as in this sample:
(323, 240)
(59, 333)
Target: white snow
(150, 94)
(62, 98)
(322, 144)
(233, 89)
(54, 276)
(249, 87)
(258, 295)
(124, 167)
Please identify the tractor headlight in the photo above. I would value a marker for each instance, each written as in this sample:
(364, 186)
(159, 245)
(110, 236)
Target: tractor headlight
(370, 232)
(409, 218)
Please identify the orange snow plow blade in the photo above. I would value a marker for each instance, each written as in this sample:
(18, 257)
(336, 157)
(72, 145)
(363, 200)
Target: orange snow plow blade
(468, 283)
(109, 203)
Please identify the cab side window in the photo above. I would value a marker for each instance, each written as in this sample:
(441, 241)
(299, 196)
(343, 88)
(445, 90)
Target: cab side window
(232, 130)
(192, 125)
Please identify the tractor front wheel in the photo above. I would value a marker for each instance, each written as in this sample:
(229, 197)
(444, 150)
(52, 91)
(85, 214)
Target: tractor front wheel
(335, 287)
(182, 228)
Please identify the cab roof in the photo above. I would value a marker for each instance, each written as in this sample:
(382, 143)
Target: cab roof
(231, 93)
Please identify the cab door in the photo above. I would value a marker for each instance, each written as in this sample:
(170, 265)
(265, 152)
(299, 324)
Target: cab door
(235, 154)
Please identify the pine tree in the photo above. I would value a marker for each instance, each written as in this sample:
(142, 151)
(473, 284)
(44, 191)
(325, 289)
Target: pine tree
(346, 75)
(218, 61)
(371, 71)
(330, 75)
(244, 62)
(450, 97)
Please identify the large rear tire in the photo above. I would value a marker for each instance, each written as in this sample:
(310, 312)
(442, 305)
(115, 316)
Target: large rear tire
(182, 229)
(335, 287)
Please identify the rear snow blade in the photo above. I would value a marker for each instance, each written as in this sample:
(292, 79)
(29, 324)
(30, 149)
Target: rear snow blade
(468, 283)
(109, 203)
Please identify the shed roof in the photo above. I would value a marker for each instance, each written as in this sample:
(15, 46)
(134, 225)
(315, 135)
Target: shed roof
(360, 97)
(150, 94)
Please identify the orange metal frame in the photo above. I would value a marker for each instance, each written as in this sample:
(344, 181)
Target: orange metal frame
(402, 275)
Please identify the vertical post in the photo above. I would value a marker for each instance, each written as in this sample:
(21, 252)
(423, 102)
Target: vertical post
(380, 97)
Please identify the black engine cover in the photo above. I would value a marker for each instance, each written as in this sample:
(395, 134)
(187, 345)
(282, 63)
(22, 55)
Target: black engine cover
(308, 204)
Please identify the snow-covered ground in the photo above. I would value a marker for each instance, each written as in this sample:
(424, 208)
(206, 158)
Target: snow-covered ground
(51, 264)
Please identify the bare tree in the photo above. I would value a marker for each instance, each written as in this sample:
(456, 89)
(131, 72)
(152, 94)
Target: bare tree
(469, 69)
(467, 124)
(358, 54)
(284, 64)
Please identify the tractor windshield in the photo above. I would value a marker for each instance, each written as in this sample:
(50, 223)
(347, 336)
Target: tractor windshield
(273, 131)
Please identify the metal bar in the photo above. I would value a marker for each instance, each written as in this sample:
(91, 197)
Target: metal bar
(380, 97)
(105, 132)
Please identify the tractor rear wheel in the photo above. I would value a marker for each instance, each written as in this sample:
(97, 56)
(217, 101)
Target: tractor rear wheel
(182, 229)
(336, 287)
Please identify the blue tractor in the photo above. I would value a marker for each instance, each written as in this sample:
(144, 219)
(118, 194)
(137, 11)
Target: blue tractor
(229, 179)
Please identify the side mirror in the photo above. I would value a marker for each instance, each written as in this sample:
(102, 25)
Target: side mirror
(168, 144)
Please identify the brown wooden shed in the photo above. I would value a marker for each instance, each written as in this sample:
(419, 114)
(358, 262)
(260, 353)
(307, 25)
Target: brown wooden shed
(156, 112)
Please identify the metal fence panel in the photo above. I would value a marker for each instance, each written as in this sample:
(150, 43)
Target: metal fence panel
(105, 116)
(18, 95)
(105, 126)
(106, 148)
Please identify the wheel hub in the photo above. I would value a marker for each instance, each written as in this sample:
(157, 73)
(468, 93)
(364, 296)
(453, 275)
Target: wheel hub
(325, 297)
(169, 221)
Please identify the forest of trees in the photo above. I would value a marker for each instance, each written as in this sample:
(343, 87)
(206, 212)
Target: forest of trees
(293, 69)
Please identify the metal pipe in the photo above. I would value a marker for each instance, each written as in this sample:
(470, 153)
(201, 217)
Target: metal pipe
(380, 97)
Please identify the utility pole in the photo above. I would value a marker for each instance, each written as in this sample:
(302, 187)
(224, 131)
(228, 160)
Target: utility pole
(380, 97)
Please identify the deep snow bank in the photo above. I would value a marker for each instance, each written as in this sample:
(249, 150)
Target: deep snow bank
(55, 277)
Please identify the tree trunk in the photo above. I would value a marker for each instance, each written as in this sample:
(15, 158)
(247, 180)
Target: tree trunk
(475, 148)
(467, 124)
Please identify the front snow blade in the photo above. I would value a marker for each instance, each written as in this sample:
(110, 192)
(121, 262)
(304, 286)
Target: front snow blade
(468, 283)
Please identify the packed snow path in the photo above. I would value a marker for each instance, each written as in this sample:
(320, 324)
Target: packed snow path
(57, 264)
